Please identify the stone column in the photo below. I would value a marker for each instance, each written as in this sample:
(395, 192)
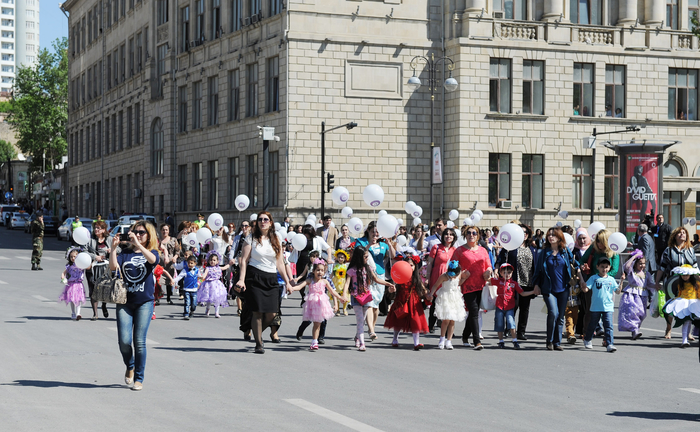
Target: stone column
(475, 6)
(628, 12)
(654, 12)
(553, 10)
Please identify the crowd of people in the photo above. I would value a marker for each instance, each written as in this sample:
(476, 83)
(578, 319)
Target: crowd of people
(449, 276)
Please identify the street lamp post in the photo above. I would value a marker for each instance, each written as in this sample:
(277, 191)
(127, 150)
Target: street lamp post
(348, 126)
(450, 84)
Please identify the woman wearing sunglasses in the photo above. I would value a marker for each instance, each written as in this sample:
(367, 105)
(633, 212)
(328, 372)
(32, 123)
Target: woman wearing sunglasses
(262, 258)
(135, 260)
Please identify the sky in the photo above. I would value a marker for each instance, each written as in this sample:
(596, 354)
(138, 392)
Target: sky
(52, 23)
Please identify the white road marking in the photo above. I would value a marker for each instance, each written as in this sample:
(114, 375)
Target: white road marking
(3, 283)
(44, 257)
(38, 297)
(4, 258)
(332, 416)
(22, 257)
(147, 340)
(691, 390)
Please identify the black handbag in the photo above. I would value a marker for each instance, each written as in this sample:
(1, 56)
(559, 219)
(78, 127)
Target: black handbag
(110, 289)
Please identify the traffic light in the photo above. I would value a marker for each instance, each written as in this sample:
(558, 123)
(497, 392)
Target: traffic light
(330, 181)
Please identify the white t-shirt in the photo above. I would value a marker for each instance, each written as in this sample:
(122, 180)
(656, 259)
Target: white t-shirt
(262, 256)
(321, 246)
(432, 241)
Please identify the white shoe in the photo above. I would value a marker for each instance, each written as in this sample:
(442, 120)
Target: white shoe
(72, 317)
(467, 344)
(441, 345)
(587, 344)
(448, 345)
(481, 336)
(611, 348)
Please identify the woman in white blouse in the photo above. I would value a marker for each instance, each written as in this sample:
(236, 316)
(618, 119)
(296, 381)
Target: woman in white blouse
(261, 261)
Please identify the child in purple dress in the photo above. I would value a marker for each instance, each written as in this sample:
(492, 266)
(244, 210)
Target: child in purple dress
(635, 297)
(74, 292)
(212, 291)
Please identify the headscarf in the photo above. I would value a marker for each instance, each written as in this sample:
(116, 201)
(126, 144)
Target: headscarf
(584, 232)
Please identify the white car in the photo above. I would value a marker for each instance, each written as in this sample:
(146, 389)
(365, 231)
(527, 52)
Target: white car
(64, 231)
(6, 210)
(130, 219)
(17, 220)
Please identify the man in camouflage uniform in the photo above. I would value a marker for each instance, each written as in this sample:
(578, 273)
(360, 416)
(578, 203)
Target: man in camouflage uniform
(37, 230)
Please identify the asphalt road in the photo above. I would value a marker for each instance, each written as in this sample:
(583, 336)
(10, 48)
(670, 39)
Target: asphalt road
(61, 375)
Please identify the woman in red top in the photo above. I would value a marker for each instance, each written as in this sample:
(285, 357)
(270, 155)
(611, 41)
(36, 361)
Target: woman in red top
(476, 270)
(440, 256)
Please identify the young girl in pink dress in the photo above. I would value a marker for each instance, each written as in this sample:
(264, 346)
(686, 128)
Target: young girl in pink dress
(212, 291)
(74, 292)
(316, 306)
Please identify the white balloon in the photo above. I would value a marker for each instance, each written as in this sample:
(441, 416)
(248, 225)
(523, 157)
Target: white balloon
(569, 241)
(333, 224)
(299, 242)
(577, 223)
(373, 195)
(318, 226)
(81, 235)
(387, 226)
(190, 240)
(479, 212)
(401, 240)
(409, 207)
(558, 224)
(475, 218)
(594, 228)
(450, 224)
(417, 211)
(454, 215)
(468, 221)
(242, 202)
(617, 242)
(253, 217)
(280, 237)
(563, 214)
(203, 234)
(346, 212)
(400, 221)
(312, 217)
(291, 235)
(83, 260)
(511, 236)
(416, 221)
(340, 195)
(277, 226)
(381, 213)
(310, 222)
(355, 226)
(216, 221)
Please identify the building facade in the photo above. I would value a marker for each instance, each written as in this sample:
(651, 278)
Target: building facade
(166, 97)
(19, 38)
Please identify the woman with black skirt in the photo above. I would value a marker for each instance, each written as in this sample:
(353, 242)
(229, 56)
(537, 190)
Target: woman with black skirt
(261, 261)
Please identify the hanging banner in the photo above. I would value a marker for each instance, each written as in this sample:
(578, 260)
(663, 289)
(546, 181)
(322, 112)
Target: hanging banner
(641, 189)
(437, 166)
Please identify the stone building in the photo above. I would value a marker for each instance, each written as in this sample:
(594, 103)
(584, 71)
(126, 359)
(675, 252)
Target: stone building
(166, 97)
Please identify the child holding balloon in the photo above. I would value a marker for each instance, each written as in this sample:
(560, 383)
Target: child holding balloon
(72, 276)
(406, 313)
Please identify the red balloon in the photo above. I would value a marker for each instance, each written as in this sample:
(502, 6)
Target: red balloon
(401, 272)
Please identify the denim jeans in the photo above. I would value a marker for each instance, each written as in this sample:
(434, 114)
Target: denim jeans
(503, 316)
(132, 325)
(190, 302)
(607, 325)
(556, 308)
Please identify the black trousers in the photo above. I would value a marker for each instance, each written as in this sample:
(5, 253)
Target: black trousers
(305, 324)
(523, 306)
(472, 301)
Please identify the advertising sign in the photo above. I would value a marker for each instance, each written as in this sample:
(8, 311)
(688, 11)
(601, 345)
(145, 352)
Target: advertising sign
(641, 189)
(437, 166)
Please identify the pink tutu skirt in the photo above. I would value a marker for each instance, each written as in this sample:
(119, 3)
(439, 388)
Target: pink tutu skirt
(213, 292)
(317, 308)
(73, 293)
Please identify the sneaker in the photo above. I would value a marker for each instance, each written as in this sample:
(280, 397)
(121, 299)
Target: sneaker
(516, 345)
(501, 344)
(441, 345)
(478, 347)
(685, 344)
(611, 348)
(186, 317)
(313, 347)
(448, 345)
(361, 348)
(481, 337)
(572, 340)
(72, 316)
(587, 344)
(217, 316)
(321, 341)
(467, 344)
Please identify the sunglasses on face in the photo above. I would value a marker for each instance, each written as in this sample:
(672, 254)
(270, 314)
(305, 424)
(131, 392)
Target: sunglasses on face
(472, 233)
(140, 232)
(246, 226)
(263, 219)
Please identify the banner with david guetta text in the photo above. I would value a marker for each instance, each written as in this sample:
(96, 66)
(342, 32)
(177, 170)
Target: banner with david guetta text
(641, 189)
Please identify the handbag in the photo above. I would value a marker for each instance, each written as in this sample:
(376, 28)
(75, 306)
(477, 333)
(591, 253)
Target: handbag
(488, 297)
(110, 289)
(364, 298)
(402, 311)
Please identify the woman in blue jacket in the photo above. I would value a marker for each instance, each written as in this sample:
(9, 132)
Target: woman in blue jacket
(552, 281)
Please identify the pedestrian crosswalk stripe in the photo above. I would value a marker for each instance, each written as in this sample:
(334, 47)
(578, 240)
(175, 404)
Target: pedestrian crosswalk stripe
(41, 298)
(3, 283)
(691, 390)
(4, 258)
(332, 416)
(49, 258)
(23, 257)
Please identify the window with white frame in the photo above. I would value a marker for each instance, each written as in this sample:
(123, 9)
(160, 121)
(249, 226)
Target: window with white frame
(584, 89)
(615, 91)
(581, 183)
(533, 87)
(500, 85)
(682, 94)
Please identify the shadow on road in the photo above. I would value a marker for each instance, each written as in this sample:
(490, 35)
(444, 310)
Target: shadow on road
(198, 349)
(657, 415)
(48, 318)
(54, 384)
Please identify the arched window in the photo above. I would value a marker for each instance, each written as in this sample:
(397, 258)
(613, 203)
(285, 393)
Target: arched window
(157, 147)
(673, 169)
(697, 173)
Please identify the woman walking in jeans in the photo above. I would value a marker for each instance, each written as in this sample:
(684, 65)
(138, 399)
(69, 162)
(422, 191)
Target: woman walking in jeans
(136, 261)
(552, 281)
(476, 270)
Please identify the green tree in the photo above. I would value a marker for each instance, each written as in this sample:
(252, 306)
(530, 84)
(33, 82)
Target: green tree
(39, 106)
(7, 151)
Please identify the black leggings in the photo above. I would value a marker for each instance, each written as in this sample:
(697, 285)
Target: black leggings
(472, 300)
(523, 306)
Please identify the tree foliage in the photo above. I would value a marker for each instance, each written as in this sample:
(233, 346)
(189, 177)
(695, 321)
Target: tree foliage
(7, 151)
(39, 106)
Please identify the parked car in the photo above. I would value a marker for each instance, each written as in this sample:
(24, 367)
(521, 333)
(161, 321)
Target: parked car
(50, 224)
(64, 230)
(5, 211)
(129, 219)
(121, 230)
(17, 220)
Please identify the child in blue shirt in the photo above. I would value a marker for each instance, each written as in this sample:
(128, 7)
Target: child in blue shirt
(189, 278)
(602, 288)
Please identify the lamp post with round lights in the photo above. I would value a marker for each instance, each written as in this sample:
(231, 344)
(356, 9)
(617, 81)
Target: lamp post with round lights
(450, 85)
